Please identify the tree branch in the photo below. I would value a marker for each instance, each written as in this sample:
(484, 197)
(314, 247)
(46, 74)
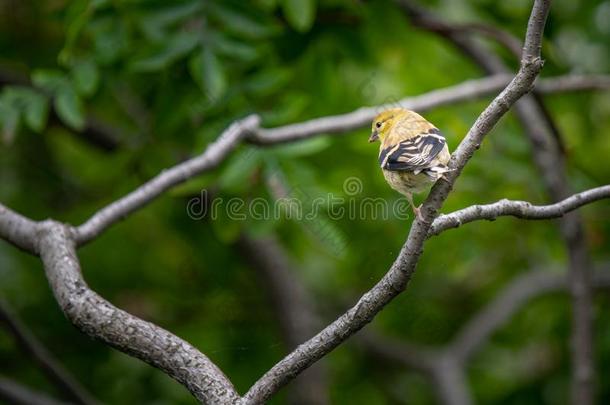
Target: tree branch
(569, 83)
(446, 373)
(396, 279)
(518, 209)
(101, 320)
(338, 124)
(452, 382)
(468, 90)
(444, 363)
(503, 307)
(45, 360)
(506, 39)
(16, 394)
(412, 355)
(17, 230)
(212, 157)
(548, 152)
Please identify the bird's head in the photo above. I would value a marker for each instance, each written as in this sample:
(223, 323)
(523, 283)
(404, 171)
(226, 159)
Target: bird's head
(385, 121)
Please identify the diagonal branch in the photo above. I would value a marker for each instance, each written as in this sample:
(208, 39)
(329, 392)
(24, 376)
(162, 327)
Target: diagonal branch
(212, 157)
(412, 355)
(548, 154)
(17, 230)
(446, 373)
(100, 319)
(16, 394)
(397, 278)
(437, 362)
(518, 209)
(45, 360)
(510, 300)
(506, 39)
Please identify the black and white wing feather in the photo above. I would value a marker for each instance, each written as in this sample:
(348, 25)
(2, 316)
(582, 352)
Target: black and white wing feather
(414, 154)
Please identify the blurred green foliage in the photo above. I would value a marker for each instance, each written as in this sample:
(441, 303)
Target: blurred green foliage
(167, 77)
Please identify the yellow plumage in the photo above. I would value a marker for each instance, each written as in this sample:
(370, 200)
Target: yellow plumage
(412, 153)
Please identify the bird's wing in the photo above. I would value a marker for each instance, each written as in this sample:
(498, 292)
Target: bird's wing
(413, 154)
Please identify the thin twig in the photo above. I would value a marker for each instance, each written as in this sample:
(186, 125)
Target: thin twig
(472, 336)
(506, 39)
(568, 83)
(16, 394)
(45, 360)
(518, 209)
(412, 355)
(212, 157)
(511, 299)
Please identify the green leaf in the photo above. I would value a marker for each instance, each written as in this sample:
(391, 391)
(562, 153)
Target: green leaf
(69, 108)
(268, 5)
(300, 13)
(67, 103)
(207, 71)
(31, 104)
(289, 109)
(162, 55)
(36, 111)
(78, 14)
(86, 78)
(233, 49)
(229, 219)
(111, 39)
(241, 167)
(154, 24)
(242, 24)
(49, 79)
(302, 148)
(9, 121)
(329, 236)
(267, 81)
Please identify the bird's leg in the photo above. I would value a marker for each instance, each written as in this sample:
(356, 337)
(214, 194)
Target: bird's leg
(442, 176)
(416, 210)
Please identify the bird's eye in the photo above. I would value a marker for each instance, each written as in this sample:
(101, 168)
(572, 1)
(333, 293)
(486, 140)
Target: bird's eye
(378, 124)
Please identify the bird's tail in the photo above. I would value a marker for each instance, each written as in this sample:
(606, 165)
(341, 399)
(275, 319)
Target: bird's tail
(436, 171)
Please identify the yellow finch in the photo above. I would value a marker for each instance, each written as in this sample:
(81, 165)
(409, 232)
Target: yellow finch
(413, 154)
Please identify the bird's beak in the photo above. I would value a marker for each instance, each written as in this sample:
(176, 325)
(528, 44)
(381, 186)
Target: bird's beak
(374, 136)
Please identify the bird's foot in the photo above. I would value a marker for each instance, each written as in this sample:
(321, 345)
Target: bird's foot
(443, 177)
(417, 212)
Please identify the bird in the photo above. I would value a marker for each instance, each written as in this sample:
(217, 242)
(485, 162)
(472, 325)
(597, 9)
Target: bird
(413, 154)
